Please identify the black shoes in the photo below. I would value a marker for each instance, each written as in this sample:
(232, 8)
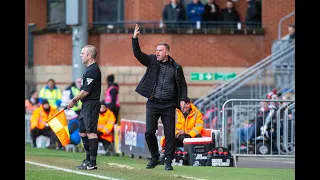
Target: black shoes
(153, 163)
(167, 165)
(83, 165)
(86, 165)
(91, 167)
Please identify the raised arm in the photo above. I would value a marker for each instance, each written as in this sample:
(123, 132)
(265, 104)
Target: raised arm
(141, 56)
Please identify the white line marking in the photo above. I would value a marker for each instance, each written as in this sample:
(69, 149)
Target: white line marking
(120, 165)
(187, 177)
(131, 168)
(100, 176)
(72, 171)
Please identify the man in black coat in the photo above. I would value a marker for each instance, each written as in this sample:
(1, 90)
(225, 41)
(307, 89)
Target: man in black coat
(229, 15)
(253, 14)
(211, 12)
(165, 87)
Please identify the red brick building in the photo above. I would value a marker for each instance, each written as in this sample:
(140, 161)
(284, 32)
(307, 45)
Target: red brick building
(221, 50)
(192, 51)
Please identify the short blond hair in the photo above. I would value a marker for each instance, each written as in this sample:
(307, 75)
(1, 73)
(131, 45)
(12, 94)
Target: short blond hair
(165, 45)
(92, 50)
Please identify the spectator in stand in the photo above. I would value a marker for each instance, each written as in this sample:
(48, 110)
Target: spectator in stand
(252, 128)
(189, 124)
(253, 14)
(211, 13)
(105, 127)
(195, 9)
(112, 97)
(229, 15)
(174, 12)
(292, 32)
(32, 102)
(38, 125)
(71, 91)
(73, 126)
(52, 93)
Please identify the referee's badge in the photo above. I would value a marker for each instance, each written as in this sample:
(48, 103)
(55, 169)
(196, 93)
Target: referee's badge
(89, 80)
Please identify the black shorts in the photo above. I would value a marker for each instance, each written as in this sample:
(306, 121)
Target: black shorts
(89, 116)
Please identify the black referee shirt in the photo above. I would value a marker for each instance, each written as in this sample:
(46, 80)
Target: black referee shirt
(91, 82)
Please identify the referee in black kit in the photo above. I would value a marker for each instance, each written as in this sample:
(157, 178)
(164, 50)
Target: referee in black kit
(165, 87)
(90, 97)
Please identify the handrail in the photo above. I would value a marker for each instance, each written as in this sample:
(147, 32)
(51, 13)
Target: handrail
(285, 127)
(285, 106)
(280, 23)
(238, 84)
(171, 22)
(179, 24)
(246, 73)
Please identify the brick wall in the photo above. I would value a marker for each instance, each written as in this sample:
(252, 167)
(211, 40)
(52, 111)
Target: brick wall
(55, 49)
(53, 52)
(90, 12)
(203, 50)
(273, 11)
(188, 50)
(37, 12)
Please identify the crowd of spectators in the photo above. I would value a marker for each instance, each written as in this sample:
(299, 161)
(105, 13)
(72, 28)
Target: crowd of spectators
(210, 14)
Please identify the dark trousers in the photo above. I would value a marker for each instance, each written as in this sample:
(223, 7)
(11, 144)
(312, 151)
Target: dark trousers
(178, 143)
(165, 110)
(105, 143)
(116, 114)
(45, 132)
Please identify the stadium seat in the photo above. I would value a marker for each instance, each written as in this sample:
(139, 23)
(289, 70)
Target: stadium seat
(71, 147)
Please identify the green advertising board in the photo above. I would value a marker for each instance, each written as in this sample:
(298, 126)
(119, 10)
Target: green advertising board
(196, 76)
(204, 76)
(224, 76)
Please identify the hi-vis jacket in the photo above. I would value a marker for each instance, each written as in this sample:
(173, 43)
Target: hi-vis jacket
(105, 125)
(192, 125)
(53, 96)
(39, 117)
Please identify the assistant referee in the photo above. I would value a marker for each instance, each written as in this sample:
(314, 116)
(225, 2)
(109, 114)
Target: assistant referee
(89, 95)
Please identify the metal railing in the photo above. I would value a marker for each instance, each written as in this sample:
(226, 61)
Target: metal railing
(274, 71)
(280, 23)
(27, 133)
(174, 24)
(276, 123)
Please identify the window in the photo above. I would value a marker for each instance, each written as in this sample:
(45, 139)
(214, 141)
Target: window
(108, 10)
(56, 13)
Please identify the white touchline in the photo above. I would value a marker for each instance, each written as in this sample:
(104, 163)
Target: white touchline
(187, 177)
(72, 171)
(130, 167)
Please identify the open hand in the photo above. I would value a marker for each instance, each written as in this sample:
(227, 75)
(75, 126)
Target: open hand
(182, 104)
(136, 31)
